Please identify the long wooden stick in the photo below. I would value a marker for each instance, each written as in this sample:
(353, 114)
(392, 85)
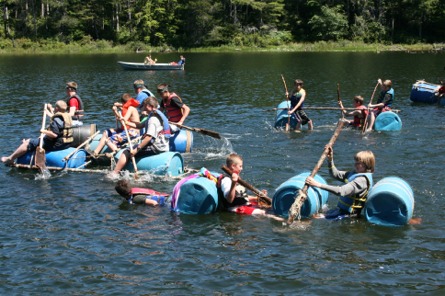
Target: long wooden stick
(199, 130)
(135, 167)
(365, 123)
(302, 194)
(265, 200)
(288, 106)
(340, 103)
(40, 158)
(330, 108)
(66, 158)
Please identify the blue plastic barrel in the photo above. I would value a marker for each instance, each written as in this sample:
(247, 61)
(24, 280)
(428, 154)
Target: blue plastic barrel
(388, 121)
(56, 158)
(181, 141)
(281, 117)
(390, 202)
(166, 163)
(197, 195)
(424, 92)
(285, 195)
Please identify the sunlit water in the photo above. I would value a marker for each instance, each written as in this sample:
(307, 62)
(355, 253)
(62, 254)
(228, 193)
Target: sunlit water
(71, 233)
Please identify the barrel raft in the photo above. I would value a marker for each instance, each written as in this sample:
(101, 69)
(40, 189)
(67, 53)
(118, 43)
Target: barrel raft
(390, 202)
(388, 121)
(282, 118)
(56, 159)
(285, 195)
(195, 194)
(425, 92)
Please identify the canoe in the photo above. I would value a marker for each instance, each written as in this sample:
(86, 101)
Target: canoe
(167, 163)
(55, 159)
(424, 92)
(195, 195)
(154, 67)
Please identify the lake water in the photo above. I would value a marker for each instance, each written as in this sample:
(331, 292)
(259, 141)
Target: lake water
(72, 234)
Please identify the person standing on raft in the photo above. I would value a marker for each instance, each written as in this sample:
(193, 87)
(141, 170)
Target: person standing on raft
(384, 103)
(297, 98)
(352, 195)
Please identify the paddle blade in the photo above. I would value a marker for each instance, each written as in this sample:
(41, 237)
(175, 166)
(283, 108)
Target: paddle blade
(209, 133)
(41, 161)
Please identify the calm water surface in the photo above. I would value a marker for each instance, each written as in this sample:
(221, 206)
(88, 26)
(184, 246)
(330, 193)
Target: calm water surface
(72, 233)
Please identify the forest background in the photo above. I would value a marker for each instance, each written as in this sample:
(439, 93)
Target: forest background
(190, 25)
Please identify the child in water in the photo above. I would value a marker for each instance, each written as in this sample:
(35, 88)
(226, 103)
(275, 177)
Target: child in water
(140, 195)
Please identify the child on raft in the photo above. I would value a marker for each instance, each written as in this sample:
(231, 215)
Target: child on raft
(233, 197)
(135, 195)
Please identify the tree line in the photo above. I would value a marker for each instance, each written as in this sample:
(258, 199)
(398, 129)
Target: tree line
(206, 23)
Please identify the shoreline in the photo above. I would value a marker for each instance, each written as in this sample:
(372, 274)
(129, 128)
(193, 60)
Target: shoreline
(103, 47)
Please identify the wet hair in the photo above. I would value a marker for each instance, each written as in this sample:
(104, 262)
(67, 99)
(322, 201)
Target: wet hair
(125, 97)
(152, 101)
(358, 99)
(233, 158)
(299, 82)
(367, 158)
(123, 188)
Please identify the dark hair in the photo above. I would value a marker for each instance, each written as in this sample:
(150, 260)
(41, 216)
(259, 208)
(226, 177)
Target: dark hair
(123, 188)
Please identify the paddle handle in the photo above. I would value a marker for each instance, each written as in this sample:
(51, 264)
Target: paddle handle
(118, 114)
(287, 99)
(80, 146)
(370, 102)
(257, 192)
(43, 126)
(340, 103)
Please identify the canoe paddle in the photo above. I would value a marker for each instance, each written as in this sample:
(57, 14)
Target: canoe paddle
(119, 115)
(287, 99)
(198, 130)
(263, 200)
(365, 123)
(295, 209)
(40, 160)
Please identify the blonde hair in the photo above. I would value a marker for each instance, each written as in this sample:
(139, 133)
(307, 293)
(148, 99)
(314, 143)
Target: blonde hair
(61, 105)
(233, 158)
(367, 158)
(387, 83)
(358, 99)
(126, 97)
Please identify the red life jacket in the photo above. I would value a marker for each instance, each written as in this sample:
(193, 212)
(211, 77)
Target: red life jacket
(147, 191)
(173, 112)
(357, 120)
(130, 102)
(79, 112)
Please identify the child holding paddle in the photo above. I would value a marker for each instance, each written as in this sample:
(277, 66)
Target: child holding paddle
(383, 104)
(358, 183)
(359, 114)
(232, 197)
(297, 98)
(58, 136)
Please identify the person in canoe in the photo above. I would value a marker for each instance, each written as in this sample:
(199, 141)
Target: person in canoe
(74, 102)
(149, 61)
(154, 141)
(297, 98)
(352, 195)
(232, 197)
(135, 195)
(180, 62)
(359, 114)
(384, 103)
(114, 138)
(58, 136)
(172, 106)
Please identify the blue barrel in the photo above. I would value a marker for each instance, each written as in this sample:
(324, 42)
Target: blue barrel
(390, 202)
(285, 195)
(197, 195)
(424, 92)
(56, 158)
(166, 163)
(388, 121)
(181, 141)
(281, 118)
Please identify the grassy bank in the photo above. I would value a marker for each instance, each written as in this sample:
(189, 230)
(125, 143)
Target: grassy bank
(26, 46)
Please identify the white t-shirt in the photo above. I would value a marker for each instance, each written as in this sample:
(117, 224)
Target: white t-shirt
(154, 129)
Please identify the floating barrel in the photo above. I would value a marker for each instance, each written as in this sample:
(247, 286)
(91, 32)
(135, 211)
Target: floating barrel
(56, 158)
(390, 202)
(285, 195)
(166, 163)
(82, 133)
(424, 92)
(281, 117)
(195, 195)
(181, 141)
(388, 121)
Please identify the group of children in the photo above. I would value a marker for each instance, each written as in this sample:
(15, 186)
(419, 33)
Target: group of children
(362, 115)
